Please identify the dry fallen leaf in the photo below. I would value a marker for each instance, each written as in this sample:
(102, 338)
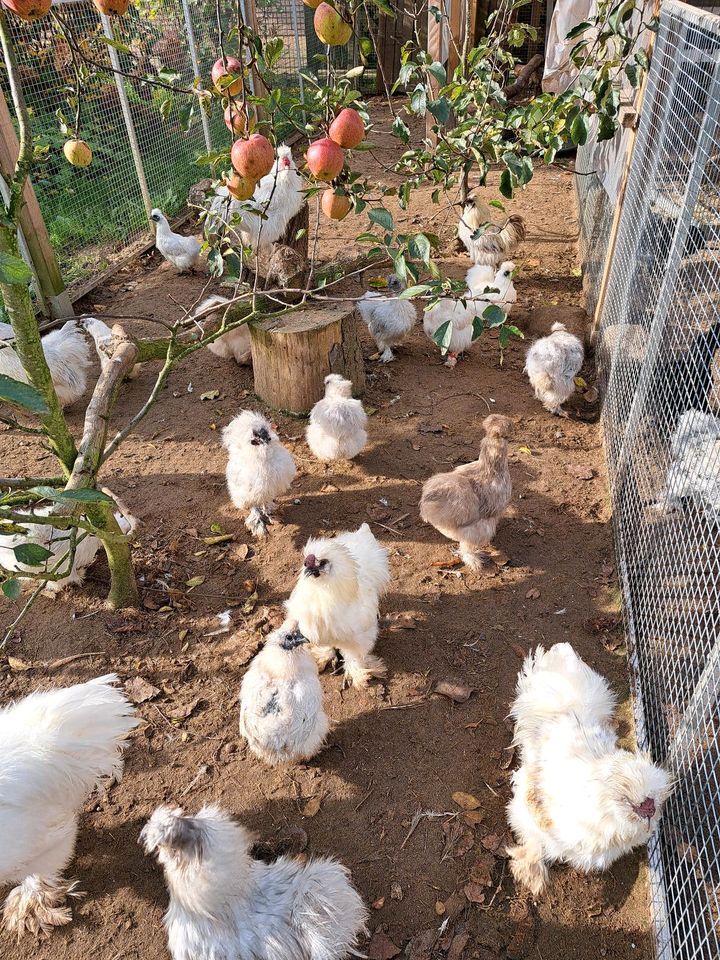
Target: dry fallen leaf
(457, 946)
(532, 594)
(526, 450)
(591, 395)
(210, 395)
(473, 817)
(532, 262)
(396, 891)
(381, 947)
(140, 690)
(183, 711)
(312, 807)
(194, 582)
(454, 690)
(446, 564)
(466, 801)
(439, 907)
(421, 945)
(579, 382)
(379, 903)
(474, 892)
(17, 665)
(242, 552)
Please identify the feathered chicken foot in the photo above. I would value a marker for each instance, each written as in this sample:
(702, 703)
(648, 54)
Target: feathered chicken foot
(257, 522)
(452, 359)
(473, 557)
(359, 671)
(35, 906)
(387, 356)
(528, 867)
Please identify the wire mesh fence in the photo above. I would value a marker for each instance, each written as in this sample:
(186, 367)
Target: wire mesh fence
(144, 143)
(657, 340)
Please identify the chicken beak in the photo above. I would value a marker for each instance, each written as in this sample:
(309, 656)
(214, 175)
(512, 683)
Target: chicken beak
(293, 640)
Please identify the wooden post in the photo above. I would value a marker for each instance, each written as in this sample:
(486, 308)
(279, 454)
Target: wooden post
(32, 225)
(293, 355)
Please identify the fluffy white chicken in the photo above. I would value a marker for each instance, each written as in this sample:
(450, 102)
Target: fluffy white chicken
(182, 252)
(388, 318)
(577, 797)
(233, 345)
(58, 543)
(259, 468)
(281, 702)
(692, 475)
(68, 358)
(278, 196)
(479, 280)
(493, 286)
(552, 363)
(336, 600)
(491, 244)
(225, 905)
(338, 423)
(55, 745)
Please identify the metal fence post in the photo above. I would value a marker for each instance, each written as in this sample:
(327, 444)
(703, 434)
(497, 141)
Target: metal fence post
(296, 31)
(127, 116)
(196, 70)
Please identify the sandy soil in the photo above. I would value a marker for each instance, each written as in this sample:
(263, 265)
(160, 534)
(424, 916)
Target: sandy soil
(396, 748)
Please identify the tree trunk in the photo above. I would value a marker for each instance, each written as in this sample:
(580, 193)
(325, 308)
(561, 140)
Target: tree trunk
(293, 354)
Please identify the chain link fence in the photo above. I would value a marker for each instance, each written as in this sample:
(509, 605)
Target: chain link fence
(144, 141)
(657, 339)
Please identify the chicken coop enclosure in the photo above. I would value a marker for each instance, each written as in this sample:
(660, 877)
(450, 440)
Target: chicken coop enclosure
(658, 330)
(145, 142)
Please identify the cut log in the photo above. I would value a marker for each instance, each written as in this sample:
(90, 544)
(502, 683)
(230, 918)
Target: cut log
(293, 354)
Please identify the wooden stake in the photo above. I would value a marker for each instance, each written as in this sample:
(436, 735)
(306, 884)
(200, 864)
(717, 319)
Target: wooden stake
(32, 224)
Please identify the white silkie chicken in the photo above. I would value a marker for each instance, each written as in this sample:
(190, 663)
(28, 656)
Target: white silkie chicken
(479, 280)
(336, 600)
(388, 318)
(58, 543)
(55, 746)
(281, 702)
(224, 905)
(182, 252)
(278, 196)
(693, 475)
(577, 797)
(338, 423)
(552, 363)
(259, 468)
(67, 354)
(490, 244)
(233, 345)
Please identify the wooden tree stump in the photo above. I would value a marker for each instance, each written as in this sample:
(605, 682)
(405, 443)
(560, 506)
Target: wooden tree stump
(293, 354)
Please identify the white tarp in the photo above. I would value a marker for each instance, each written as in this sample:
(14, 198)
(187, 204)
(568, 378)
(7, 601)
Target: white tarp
(560, 72)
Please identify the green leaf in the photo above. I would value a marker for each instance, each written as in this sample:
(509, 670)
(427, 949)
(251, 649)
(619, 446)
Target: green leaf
(401, 266)
(401, 130)
(415, 291)
(641, 58)
(210, 159)
(382, 217)
(420, 248)
(384, 7)
(632, 72)
(606, 127)
(506, 184)
(273, 50)
(497, 204)
(579, 130)
(418, 100)
(440, 109)
(494, 316)
(477, 327)
(72, 496)
(21, 394)
(366, 47)
(437, 72)
(580, 28)
(14, 270)
(443, 336)
(32, 554)
(115, 44)
(12, 588)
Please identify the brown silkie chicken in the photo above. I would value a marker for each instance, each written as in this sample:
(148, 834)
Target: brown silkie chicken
(466, 504)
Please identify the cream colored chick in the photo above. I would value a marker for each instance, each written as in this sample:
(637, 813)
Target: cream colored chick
(498, 289)
(466, 504)
(281, 702)
(55, 745)
(182, 252)
(577, 797)
(489, 245)
(67, 355)
(259, 468)
(460, 316)
(336, 600)
(233, 345)
(552, 363)
(338, 423)
(224, 905)
(389, 319)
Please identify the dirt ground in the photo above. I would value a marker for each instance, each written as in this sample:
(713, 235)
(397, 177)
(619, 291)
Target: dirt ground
(396, 748)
